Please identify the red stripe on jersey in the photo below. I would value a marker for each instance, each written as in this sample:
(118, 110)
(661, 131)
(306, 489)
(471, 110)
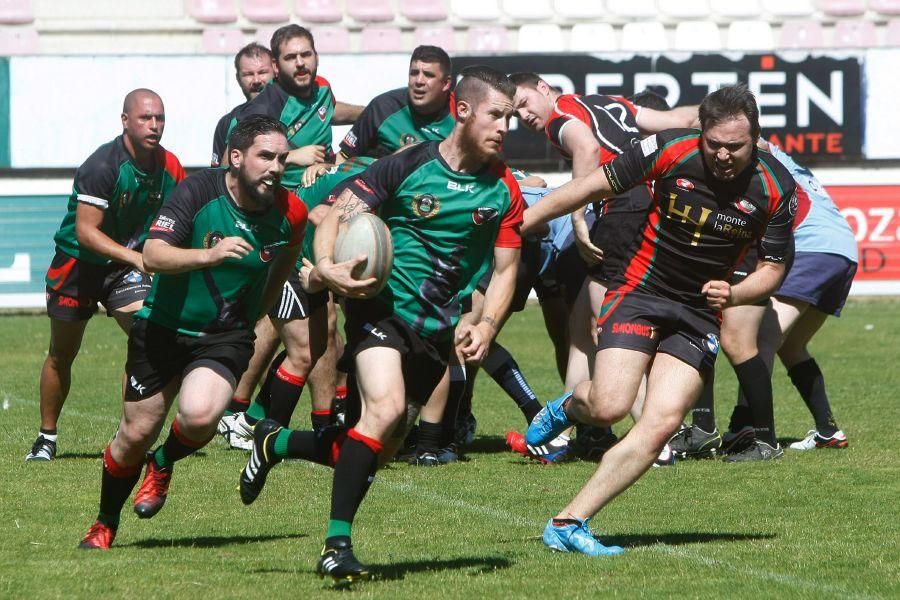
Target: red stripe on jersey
(803, 206)
(673, 154)
(626, 103)
(452, 106)
(771, 186)
(322, 82)
(171, 164)
(509, 235)
(294, 210)
(566, 108)
(641, 263)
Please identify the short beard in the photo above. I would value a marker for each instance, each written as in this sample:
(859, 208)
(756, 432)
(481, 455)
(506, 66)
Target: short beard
(262, 201)
(471, 148)
(295, 90)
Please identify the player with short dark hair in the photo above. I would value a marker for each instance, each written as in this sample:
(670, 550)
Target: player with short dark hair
(98, 257)
(451, 207)
(221, 248)
(253, 70)
(590, 130)
(421, 111)
(714, 194)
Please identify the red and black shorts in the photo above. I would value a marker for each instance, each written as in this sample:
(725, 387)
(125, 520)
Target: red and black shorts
(370, 324)
(295, 302)
(653, 324)
(157, 355)
(79, 285)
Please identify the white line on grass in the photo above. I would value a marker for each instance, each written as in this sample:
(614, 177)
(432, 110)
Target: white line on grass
(441, 499)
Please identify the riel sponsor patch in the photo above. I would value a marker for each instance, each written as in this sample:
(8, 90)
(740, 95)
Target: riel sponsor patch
(163, 224)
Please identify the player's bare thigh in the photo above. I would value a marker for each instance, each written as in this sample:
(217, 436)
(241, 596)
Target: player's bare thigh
(379, 376)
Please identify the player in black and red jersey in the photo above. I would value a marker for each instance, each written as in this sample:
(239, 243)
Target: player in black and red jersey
(588, 131)
(714, 195)
(98, 258)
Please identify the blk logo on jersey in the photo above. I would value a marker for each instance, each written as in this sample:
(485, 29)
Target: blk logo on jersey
(484, 214)
(461, 187)
(212, 238)
(426, 206)
(684, 184)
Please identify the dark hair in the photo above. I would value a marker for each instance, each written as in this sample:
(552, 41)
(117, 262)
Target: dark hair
(727, 103)
(474, 81)
(650, 99)
(433, 54)
(289, 32)
(246, 131)
(251, 50)
(525, 79)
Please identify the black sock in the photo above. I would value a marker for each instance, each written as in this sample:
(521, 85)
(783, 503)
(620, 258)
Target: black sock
(353, 474)
(809, 381)
(176, 447)
(284, 393)
(116, 484)
(504, 369)
(740, 416)
(756, 384)
(458, 385)
(320, 419)
(703, 415)
(428, 437)
(264, 397)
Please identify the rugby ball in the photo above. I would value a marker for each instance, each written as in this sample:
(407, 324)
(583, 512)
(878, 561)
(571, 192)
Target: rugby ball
(366, 234)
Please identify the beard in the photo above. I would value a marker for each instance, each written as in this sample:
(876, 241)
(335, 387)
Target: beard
(302, 91)
(251, 189)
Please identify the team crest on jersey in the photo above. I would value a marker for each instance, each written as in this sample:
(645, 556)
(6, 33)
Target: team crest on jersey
(295, 127)
(267, 252)
(154, 197)
(212, 238)
(792, 206)
(322, 112)
(745, 206)
(426, 206)
(406, 139)
(484, 214)
(684, 184)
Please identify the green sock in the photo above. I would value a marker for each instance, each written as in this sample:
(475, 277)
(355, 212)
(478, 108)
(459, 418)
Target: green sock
(256, 412)
(338, 528)
(160, 457)
(280, 448)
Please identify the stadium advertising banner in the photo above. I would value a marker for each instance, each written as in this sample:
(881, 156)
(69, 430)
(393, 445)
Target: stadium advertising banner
(811, 107)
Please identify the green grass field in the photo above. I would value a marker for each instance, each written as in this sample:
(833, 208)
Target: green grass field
(820, 524)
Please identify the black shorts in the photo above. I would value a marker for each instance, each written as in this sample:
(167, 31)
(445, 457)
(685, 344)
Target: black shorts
(370, 324)
(295, 302)
(157, 355)
(617, 232)
(80, 285)
(526, 275)
(569, 273)
(652, 324)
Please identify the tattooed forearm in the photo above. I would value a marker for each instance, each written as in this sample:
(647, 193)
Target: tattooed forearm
(490, 321)
(349, 205)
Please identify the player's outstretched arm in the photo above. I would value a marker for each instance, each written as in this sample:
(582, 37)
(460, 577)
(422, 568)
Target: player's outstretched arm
(305, 156)
(474, 340)
(576, 194)
(162, 257)
(345, 114)
(88, 219)
(338, 276)
(651, 121)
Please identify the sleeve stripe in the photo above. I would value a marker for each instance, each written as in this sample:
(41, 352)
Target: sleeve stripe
(93, 201)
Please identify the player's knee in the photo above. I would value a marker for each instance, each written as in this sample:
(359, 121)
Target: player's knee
(135, 437)
(63, 355)
(606, 407)
(199, 418)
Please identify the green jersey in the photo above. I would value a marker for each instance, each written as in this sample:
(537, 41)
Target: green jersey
(389, 122)
(307, 120)
(445, 225)
(128, 196)
(320, 190)
(226, 297)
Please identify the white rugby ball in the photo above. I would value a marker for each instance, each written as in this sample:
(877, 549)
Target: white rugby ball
(366, 234)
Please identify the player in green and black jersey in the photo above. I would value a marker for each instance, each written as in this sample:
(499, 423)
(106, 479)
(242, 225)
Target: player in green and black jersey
(301, 320)
(98, 258)
(422, 111)
(253, 69)
(714, 195)
(451, 207)
(221, 248)
(302, 101)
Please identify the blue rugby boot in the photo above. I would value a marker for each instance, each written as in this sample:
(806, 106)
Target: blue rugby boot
(576, 536)
(549, 422)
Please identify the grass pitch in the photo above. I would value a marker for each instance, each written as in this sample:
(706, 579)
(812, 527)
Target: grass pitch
(824, 523)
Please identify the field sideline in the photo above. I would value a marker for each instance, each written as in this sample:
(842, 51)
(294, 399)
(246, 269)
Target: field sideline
(823, 524)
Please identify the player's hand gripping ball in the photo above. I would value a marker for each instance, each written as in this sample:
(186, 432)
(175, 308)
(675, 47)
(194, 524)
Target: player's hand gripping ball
(367, 234)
